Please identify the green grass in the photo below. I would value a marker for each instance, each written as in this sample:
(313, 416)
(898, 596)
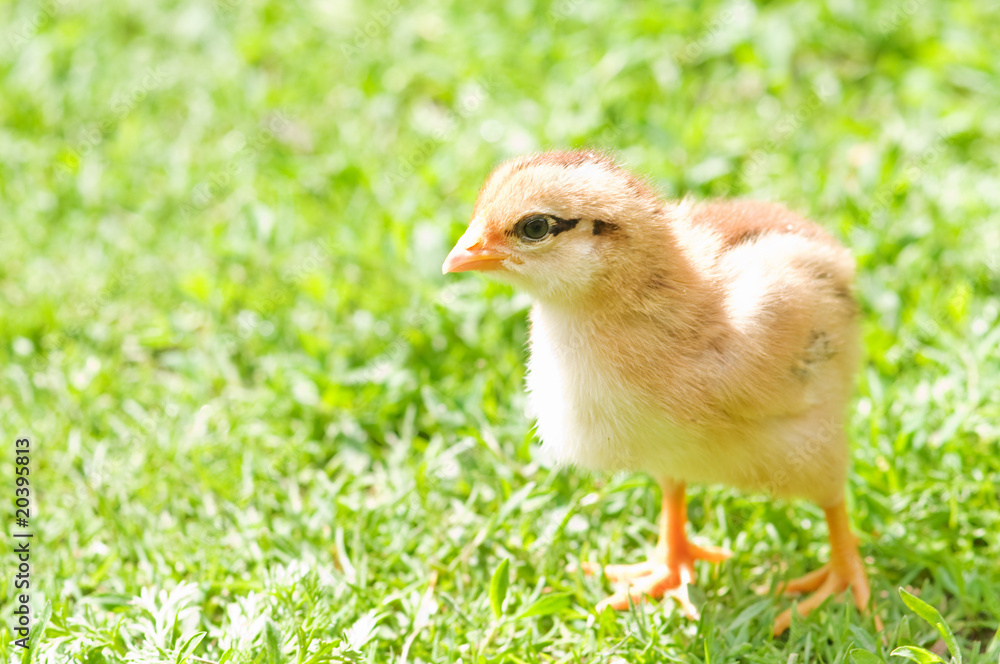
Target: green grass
(266, 429)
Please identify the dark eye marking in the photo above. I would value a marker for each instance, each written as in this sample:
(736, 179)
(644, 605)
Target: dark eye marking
(559, 225)
(601, 227)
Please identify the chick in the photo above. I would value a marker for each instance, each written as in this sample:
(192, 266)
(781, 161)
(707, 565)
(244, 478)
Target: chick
(697, 342)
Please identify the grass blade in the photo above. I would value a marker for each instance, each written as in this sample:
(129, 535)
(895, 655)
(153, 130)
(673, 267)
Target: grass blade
(933, 618)
(37, 631)
(917, 654)
(272, 642)
(547, 605)
(498, 587)
(860, 656)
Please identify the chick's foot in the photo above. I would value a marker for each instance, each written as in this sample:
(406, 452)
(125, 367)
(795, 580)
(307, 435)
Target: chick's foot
(671, 569)
(667, 575)
(845, 571)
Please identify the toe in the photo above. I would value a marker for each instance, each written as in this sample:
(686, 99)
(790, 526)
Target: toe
(810, 581)
(713, 554)
(618, 602)
(628, 572)
(860, 590)
(831, 585)
(682, 597)
(782, 622)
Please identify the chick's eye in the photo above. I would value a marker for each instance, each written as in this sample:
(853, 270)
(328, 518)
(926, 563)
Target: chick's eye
(534, 228)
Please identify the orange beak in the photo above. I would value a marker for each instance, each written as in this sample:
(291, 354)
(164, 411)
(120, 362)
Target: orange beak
(471, 253)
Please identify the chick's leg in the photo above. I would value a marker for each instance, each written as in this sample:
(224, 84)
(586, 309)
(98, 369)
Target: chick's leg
(845, 570)
(671, 568)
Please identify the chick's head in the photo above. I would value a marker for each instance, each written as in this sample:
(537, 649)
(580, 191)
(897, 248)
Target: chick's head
(555, 223)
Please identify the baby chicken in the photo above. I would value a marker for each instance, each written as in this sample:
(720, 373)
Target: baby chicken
(698, 342)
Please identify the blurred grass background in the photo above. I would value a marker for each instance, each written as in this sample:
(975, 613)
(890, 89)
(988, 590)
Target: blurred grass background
(266, 429)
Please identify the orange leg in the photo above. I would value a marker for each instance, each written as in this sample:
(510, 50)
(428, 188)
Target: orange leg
(845, 570)
(671, 568)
